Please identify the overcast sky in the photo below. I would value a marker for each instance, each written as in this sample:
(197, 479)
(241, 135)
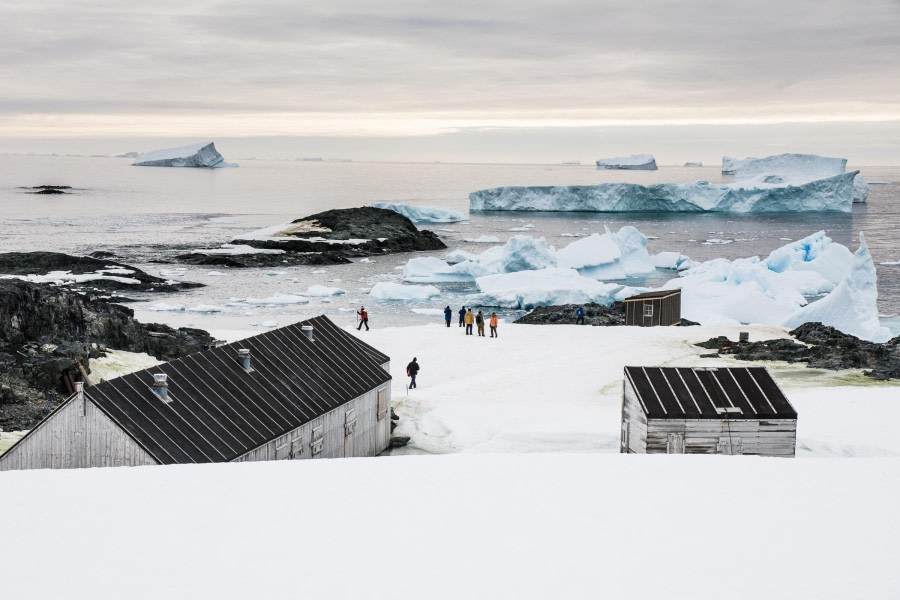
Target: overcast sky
(94, 70)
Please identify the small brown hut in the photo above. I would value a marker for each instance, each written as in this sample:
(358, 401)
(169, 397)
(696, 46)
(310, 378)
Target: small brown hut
(662, 307)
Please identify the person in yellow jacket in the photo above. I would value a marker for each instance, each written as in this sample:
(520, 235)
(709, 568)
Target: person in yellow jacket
(469, 319)
(493, 323)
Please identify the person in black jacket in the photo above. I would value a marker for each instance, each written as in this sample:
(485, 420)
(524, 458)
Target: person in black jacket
(462, 316)
(412, 369)
(448, 315)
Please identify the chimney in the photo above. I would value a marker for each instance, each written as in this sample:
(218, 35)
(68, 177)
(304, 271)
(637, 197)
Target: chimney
(308, 332)
(79, 395)
(161, 387)
(244, 357)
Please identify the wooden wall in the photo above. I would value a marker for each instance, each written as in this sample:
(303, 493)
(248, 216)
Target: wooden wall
(666, 311)
(771, 437)
(633, 438)
(76, 435)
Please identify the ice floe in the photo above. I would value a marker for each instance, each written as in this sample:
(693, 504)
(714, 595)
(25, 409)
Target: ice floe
(544, 287)
(323, 290)
(388, 290)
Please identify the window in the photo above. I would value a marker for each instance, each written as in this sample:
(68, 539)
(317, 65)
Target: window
(282, 448)
(382, 403)
(349, 422)
(296, 447)
(675, 443)
(315, 446)
(648, 310)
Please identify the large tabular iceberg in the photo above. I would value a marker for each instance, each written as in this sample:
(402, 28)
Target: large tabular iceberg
(852, 306)
(203, 154)
(831, 194)
(794, 168)
(635, 162)
(423, 214)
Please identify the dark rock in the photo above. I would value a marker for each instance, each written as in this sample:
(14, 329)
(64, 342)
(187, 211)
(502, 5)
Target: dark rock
(398, 441)
(102, 254)
(688, 323)
(41, 263)
(594, 314)
(48, 189)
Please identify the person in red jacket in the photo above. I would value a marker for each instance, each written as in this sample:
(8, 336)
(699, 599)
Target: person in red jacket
(363, 318)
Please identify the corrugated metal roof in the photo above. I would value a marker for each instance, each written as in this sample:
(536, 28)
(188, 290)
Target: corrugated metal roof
(653, 295)
(709, 393)
(219, 411)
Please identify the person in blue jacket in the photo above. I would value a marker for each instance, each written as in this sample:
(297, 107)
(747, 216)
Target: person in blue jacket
(462, 316)
(448, 315)
(579, 316)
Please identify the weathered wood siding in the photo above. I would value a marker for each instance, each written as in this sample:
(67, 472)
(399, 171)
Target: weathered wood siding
(771, 437)
(77, 435)
(633, 438)
(352, 429)
(666, 311)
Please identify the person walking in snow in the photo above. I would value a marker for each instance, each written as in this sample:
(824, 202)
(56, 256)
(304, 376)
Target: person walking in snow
(479, 321)
(448, 315)
(462, 316)
(412, 370)
(493, 324)
(579, 316)
(363, 318)
(469, 319)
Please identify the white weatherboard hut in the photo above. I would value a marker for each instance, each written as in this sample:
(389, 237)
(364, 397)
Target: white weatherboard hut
(308, 390)
(715, 410)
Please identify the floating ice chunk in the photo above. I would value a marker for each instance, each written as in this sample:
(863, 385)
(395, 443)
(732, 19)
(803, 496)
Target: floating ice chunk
(591, 251)
(484, 239)
(890, 263)
(203, 154)
(641, 162)
(285, 300)
(423, 214)
(860, 189)
(265, 324)
(519, 228)
(572, 234)
(458, 256)
(236, 250)
(322, 290)
(274, 273)
(545, 287)
(633, 245)
(522, 253)
(163, 307)
(717, 241)
(430, 312)
(387, 290)
(428, 269)
(672, 260)
(205, 308)
(215, 274)
(852, 306)
(815, 263)
(319, 272)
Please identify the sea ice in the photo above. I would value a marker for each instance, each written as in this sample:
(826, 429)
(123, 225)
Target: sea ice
(387, 290)
(323, 290)
(203, 154)
(484, 239)
(423, 214)
(205, 308)
(641, 162)
(852, 306)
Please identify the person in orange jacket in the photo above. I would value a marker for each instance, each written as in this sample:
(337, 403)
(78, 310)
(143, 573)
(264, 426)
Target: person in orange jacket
(493, 323)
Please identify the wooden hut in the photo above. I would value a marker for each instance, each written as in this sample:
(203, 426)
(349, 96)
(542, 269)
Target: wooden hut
(309, 390)
(662, 307)
(723, 410)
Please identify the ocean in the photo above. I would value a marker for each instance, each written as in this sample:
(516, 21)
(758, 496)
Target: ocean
(146, 215)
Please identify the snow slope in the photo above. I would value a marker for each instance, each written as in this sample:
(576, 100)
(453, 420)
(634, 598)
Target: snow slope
(463, 526)
(203, 154)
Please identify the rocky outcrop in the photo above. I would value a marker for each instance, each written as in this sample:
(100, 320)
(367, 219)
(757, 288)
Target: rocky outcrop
(823, 347)
(49, 334)
(48, 189)
(594, 314)
(85, 273)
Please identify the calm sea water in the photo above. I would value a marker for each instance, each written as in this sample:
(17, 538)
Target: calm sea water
(144, 214)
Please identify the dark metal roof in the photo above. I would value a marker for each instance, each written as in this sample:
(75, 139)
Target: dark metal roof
(219, 411)
(709, 393)
(653, 295)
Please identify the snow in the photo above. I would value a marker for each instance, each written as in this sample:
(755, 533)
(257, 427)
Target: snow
(66, 277)
(484, 239)
(423, 214)
(831, 194)
(117, 363)
(323, 290)
(544, 287)
(644, 162)
(852, 306)
(388, 290)
(285, 300)
(203, 154)
(236, 250)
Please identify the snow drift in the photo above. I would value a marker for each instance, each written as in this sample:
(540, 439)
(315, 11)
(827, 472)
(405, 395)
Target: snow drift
(635, 162)
(423, 214)
(203, 154)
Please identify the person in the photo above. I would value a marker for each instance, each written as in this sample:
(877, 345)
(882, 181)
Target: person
(412, 369)
(579, 314)
(469, 319)
(363, 318)
(462, 316)
(479, 320)
(448, 315)
(493, 324)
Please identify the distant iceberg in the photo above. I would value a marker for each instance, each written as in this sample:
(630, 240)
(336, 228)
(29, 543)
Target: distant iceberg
(203, 154)
(423, 214)
(831, 194)
(693, 164)
(635, 162)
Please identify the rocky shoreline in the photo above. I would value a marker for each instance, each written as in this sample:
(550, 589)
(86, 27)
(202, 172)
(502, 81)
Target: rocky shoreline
(49, 334)
(822, 347)
(594, 314)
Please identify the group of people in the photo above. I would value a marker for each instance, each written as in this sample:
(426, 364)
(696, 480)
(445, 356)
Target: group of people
(467, 319)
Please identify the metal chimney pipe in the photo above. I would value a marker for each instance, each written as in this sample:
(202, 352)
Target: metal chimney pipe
(308, 332)
(244, 357)
(161, 386)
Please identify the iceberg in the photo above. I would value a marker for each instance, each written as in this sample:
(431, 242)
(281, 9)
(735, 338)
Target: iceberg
(424, 214)
(794, 168)
(693, 164)
(640, 162)
(387, 290)
(203, 154)
(525, 253)
(852, 306)
(831, 194)
(319, 291)
(428, 269)
(544, 287)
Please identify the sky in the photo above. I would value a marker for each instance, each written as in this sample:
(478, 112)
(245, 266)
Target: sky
(505, 81)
